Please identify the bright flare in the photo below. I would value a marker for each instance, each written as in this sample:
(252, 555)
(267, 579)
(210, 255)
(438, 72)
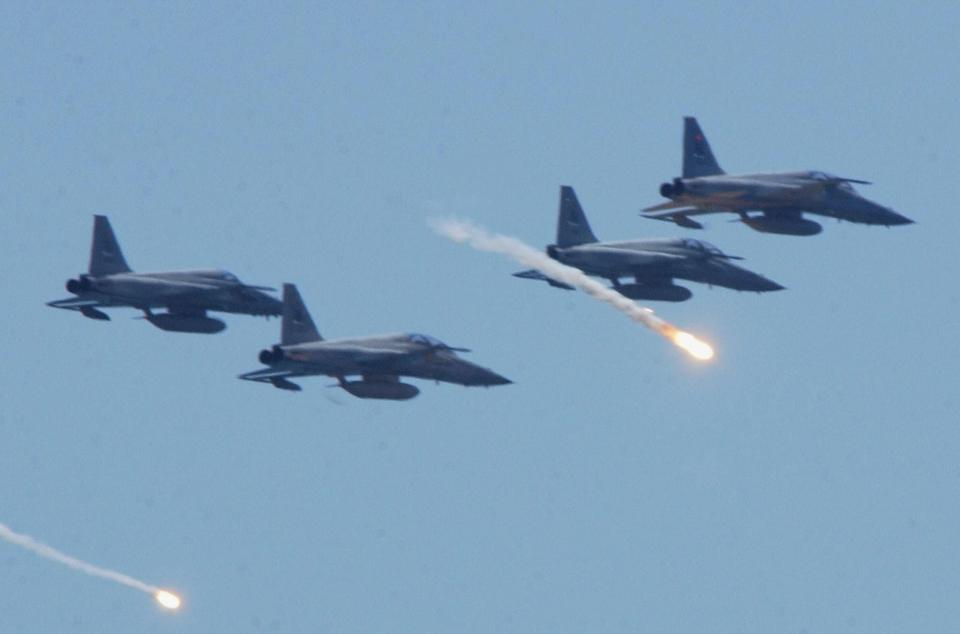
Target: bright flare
(698, 349)
(167, 599)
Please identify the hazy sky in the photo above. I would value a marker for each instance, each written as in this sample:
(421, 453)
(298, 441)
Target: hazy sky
(805, 481)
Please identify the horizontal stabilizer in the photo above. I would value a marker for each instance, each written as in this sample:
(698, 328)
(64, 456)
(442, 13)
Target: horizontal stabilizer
(73, 303)
(86, 307)
(278, 377)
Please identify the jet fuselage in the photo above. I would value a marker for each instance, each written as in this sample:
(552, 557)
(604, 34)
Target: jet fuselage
(656, 261)
(401, 354)
(810, 191)
(197, 290)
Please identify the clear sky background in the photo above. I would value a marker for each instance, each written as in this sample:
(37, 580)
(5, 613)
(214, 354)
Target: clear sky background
(805, 481)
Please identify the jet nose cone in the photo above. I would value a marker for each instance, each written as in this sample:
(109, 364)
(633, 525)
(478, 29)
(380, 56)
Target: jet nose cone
(893, 218)
(766, 285)
(757, 284)
(488, 378)
(743, 280)
(875, 214)
(493, 378)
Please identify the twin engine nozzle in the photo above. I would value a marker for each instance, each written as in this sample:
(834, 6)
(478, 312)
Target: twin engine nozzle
(271, 356)
(77, 286)
(671, 190)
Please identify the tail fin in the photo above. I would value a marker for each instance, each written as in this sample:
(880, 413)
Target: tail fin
(296, 326)
(572, 225)
(697, 156)
(106, 258)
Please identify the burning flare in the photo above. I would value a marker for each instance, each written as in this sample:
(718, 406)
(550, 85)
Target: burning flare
(167, 599)
(695, 347)
(465, 231)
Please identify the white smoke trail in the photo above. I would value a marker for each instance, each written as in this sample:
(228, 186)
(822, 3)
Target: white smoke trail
(165, 598)
(464, 231)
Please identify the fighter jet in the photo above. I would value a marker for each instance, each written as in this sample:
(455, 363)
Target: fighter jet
(653, 263)
(378, 360)
(769, 203)
(186, 295)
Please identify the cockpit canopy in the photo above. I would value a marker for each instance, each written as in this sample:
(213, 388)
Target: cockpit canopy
(426, 340)
(838, 182)
(219, 274)
(701, 245)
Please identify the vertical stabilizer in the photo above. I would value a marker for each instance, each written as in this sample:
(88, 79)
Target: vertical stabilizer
(572, 225)
(105, 255)
(296, 325)
(698, 158)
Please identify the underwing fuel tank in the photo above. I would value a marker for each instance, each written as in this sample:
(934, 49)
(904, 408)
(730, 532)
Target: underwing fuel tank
(663, 293)
(186, 323)
(284, 384)
(387, 390)
(93, 313)
(686, 221)
(784, 226)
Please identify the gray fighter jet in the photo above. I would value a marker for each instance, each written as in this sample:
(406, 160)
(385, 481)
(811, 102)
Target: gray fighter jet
(769, 203)
(186, 295)
(653, 263)
(378, 360)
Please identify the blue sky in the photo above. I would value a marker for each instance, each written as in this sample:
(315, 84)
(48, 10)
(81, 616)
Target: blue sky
(805, 481)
